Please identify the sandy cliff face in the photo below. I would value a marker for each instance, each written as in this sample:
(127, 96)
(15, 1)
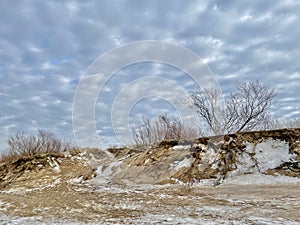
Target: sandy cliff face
(46, 170)
(267, 152)
(215, 158)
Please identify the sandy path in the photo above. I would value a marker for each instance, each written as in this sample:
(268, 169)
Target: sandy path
(173, 204)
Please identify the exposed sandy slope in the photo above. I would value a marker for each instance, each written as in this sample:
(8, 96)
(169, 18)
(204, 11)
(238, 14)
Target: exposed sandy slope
(220, 157)
(250, 178)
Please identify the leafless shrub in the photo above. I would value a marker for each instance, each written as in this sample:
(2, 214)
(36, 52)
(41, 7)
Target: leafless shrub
(276, 122)
(292, 123)
(162, 128)
(5, 157)
(21, 144)
(244, 110)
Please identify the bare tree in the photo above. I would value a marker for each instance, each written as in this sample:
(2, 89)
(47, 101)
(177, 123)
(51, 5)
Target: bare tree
(207, 105)
(244, 110)
(162, 128)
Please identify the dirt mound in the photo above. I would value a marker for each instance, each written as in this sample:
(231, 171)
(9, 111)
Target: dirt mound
(263, 152)
(268, 152)
(87, 185)
(47, 169)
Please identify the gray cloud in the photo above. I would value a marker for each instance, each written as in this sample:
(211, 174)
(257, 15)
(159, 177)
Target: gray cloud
(47, 45)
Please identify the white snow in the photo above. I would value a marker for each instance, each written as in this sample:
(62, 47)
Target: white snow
(258, 158)
(271, 221)
(259, 179)
(186, 162)
(271, 153)
(54, 164)
(181, 147)
(104, 172)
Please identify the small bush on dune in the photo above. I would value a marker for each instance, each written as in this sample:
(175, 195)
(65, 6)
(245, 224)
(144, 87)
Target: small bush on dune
(5, 157)
(162, 128)
(281, 123)
(21, 144)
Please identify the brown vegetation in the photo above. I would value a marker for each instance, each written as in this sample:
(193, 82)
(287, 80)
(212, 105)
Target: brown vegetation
(162, 128)
(22, 145)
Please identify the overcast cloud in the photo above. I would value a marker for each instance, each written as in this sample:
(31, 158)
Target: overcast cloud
(46, 46)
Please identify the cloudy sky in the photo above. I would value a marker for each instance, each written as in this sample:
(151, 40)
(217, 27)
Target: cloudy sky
(46, 47)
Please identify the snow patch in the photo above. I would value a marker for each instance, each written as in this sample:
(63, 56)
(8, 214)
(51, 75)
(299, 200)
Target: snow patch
(186, 162)
(259, 179)
(181, 147)
(54, 164)
(105, 172)
(258, 158)
(271, 153)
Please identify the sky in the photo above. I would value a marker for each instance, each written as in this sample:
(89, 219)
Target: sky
(47, 46)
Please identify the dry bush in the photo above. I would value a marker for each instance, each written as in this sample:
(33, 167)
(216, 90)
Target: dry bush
(21, 144)
(5, 157)
(292, 123)
(276, 122)
(162, 128)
